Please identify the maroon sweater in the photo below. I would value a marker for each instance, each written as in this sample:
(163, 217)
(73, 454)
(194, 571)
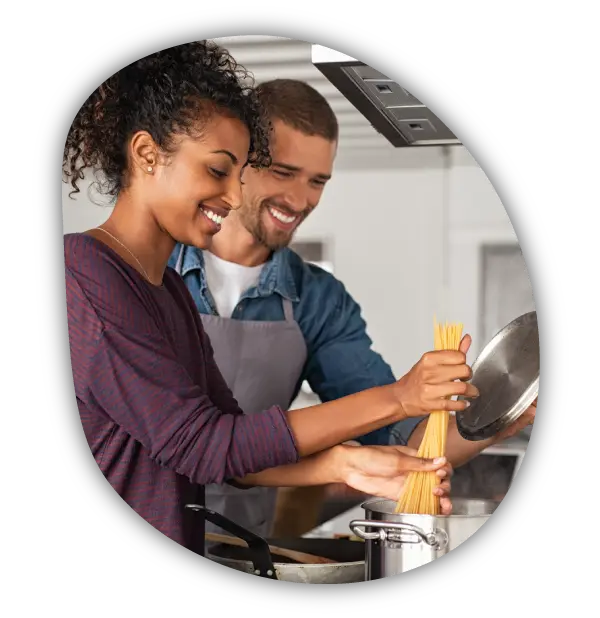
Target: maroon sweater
(155, 409)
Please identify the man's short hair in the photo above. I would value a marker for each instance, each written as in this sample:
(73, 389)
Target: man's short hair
(300, 106)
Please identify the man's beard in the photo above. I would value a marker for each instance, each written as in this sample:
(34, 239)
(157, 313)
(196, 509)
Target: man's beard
(252, 220)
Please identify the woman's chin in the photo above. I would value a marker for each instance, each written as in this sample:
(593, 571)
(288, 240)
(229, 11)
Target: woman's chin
(202, 241)
(199, 232)
(201, 238)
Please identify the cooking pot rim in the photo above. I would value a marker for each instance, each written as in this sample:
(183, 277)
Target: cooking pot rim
(369, 504)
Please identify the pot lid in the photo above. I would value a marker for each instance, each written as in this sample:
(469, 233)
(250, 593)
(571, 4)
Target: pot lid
(507, 375)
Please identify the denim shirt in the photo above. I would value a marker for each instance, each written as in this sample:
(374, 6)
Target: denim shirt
(340, 359)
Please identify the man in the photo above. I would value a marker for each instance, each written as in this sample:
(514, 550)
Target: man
(255, 294)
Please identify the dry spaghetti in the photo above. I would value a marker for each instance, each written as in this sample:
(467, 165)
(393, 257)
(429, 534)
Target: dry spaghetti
(417, 495)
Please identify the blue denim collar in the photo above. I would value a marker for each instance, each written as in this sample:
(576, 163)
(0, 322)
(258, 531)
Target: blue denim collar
(275, 277)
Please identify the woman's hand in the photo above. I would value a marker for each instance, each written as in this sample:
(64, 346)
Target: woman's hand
(428, 386)
(382, 470)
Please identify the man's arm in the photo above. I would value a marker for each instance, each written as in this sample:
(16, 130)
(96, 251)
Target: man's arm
(342, 361)
(459, 451)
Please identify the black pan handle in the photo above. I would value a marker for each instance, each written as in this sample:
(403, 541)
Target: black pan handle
(259, 548)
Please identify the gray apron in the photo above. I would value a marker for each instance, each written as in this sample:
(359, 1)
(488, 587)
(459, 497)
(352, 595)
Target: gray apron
(261, 363)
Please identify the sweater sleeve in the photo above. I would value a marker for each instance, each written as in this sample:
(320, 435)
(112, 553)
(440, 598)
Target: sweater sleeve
(125, 369)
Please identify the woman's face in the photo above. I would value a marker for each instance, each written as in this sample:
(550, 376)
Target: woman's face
(191, 190)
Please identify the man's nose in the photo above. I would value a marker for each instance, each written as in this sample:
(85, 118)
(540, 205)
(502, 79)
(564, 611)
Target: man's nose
(296, 199)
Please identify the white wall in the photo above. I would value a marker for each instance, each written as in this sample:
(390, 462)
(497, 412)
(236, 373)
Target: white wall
(477, 216)
(386, 231)
(385, 228)
(84, 211)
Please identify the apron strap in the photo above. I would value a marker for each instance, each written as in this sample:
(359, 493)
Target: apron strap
(288, 310)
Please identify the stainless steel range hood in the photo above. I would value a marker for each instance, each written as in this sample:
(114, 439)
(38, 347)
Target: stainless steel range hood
(392, 111)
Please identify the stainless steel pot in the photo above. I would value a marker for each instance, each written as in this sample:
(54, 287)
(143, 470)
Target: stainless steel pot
(256, 559)
(396, 543)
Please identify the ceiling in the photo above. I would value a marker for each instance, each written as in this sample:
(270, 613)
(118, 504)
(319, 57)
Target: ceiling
(360, 146)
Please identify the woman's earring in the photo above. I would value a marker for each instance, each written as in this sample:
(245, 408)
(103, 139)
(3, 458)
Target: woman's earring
(149, 168)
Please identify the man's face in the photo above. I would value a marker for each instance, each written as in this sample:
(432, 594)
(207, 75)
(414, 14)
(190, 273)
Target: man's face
(276, 200)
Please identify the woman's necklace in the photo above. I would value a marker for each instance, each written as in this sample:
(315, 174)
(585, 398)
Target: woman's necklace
(127, 249)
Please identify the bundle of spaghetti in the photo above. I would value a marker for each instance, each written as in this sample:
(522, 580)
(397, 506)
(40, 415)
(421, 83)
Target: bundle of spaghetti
(417, 495)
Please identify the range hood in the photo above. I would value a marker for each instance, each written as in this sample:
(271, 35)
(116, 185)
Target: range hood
(391, 110)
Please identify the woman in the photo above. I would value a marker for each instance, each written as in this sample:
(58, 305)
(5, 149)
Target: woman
(171, 135)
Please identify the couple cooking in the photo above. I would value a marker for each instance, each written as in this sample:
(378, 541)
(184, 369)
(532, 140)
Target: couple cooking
(192, 325)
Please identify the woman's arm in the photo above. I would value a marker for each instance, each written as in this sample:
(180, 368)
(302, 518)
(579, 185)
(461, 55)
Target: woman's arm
(422, 390)
(375, 470)
(125, 372)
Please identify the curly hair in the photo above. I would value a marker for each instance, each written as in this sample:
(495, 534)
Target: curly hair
(165, 93)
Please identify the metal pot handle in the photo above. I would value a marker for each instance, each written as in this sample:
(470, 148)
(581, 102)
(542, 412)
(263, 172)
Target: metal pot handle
(259, 548)
(438, 539)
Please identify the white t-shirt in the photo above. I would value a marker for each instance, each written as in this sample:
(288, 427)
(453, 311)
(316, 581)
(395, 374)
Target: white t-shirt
(227, 281)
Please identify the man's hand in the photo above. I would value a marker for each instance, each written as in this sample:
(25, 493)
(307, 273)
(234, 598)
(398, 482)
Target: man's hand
(523, 421)
(429, 384)
(381, 471)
